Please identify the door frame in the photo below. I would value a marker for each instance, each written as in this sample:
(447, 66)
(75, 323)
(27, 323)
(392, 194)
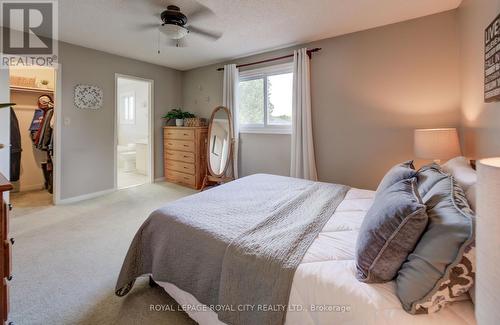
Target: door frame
(57, 136)
(151, 131)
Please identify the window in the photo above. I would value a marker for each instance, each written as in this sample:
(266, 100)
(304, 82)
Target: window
(265, 100)
(127, 111)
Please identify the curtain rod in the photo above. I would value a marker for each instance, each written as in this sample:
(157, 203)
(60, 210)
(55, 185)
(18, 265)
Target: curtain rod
(309, 53)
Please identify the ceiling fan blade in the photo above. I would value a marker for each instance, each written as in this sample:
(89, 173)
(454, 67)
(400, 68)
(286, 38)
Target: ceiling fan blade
(199, 14)
(147, 26)
(208, 34)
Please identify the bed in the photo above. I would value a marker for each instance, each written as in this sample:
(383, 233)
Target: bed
(324, 289)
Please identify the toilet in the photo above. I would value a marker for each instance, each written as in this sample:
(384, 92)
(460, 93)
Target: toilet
(127, 156)
(128, 159)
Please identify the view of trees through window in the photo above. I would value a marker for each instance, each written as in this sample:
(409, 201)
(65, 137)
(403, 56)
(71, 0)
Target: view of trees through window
(252, 102)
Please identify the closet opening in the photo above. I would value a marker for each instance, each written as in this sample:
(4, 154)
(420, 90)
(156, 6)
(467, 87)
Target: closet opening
(133, 131)
(32, 89)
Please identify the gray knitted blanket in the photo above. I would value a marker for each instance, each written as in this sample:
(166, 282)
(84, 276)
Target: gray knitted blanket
(234, 247)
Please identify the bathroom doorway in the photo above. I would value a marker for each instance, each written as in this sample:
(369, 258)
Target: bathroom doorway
(133, 131)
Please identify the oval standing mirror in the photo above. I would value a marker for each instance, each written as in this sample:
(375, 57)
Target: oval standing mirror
(219, 146)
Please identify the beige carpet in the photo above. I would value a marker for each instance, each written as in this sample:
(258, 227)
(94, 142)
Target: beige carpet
(66, 260)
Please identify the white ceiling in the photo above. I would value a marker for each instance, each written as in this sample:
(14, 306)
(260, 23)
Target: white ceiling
(249, 26)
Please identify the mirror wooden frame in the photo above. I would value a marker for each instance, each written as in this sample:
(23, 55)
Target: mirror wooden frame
(211, 177)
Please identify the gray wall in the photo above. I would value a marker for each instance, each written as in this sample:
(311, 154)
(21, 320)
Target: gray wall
(369, 91)
(88, 142)
(481, 121)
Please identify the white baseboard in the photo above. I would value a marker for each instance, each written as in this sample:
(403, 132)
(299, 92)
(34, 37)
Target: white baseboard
(159, 179)
(88, 196)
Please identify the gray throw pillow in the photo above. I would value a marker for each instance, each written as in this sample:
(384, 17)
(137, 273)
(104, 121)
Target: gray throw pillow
(441, 268)
(428, 176)
(397, 173)
(389, 232)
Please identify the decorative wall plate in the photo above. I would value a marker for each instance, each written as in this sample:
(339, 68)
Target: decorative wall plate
(88, 97)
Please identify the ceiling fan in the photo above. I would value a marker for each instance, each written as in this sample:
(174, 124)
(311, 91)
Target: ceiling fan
(175, 25)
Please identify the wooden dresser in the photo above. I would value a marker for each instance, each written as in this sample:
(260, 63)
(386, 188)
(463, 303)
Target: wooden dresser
(185, 151)
(5, 253)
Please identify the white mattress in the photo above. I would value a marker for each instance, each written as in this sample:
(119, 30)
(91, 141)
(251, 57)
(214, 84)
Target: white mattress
(326, 280)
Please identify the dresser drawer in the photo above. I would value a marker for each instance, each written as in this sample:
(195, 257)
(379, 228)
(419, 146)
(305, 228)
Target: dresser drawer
(5, 221)
(179, 156)
(7, 259)
(180, 178)
(180, 166)
(179, 145)
(179, 134)
(5, 299)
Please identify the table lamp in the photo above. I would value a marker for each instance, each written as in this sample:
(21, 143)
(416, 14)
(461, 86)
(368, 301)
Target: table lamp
(488, 242)
(436, 144)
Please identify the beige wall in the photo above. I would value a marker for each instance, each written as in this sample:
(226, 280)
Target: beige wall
(481, 121)
(88, 142)
(369, 91)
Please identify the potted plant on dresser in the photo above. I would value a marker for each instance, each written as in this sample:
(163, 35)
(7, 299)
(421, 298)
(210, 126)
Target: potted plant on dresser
(178, 115)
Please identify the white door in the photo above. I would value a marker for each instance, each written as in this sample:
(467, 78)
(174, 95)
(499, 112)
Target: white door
(4, 124)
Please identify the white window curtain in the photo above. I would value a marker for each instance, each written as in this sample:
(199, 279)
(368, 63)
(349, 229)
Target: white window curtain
(230, 100)
(303, 164)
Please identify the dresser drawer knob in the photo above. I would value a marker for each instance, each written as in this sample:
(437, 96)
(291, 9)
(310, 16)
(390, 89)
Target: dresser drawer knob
(12, 241)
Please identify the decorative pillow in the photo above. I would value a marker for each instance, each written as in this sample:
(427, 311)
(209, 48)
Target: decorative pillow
(465, 176)
(397, 173)
(462, 171)
(470, 194)
(428, 176)
(389, 232)
(441, 268)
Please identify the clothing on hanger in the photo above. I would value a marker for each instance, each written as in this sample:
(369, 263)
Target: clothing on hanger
(15, 147)
(45, 132)
(36, 122)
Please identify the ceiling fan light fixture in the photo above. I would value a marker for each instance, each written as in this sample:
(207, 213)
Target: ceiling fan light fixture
(174, 31)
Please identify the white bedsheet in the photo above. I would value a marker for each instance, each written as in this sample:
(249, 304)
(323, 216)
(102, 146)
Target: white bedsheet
(325, 280)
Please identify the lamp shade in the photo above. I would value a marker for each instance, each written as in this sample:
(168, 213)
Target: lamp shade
(436, 143)
(488, 242)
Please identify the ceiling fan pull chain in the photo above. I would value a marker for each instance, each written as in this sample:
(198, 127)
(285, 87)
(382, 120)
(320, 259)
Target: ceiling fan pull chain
(159, 35)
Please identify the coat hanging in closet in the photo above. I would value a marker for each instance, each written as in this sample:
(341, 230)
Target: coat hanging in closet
(15, 147)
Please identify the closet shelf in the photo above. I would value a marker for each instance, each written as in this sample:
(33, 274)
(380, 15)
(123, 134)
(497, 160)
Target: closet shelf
(31, 89)
(26, 107)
